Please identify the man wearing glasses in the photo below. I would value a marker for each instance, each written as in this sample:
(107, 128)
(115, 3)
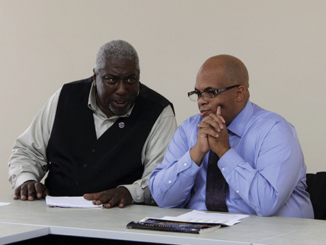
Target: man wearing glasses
(234, 156)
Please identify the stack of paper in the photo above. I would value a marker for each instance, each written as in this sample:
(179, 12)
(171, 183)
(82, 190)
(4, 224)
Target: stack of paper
(207, 218)
(70, 202)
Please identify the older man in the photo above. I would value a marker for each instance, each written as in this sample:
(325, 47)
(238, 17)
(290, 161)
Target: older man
(234, 156)
(100, 137)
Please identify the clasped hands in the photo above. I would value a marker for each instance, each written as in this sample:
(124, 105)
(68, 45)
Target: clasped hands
(212, 135)
(120, 196)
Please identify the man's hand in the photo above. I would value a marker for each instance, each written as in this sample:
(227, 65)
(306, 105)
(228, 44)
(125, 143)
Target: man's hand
(219, 144)
(110, 198)
(209, 127)
(30, 190)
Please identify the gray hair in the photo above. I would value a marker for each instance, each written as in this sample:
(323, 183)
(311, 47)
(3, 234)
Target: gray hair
(116, 49)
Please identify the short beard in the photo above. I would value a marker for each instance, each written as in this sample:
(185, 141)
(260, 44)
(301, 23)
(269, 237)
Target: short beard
(119, 112)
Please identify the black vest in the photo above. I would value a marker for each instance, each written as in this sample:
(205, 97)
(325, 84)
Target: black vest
(79, 162)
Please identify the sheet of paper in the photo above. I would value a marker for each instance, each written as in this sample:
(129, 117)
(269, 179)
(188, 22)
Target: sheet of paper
(207, 217)
(4, 203)
(70, 202)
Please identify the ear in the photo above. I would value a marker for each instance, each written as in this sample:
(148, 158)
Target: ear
(94, 78)
(240, 93)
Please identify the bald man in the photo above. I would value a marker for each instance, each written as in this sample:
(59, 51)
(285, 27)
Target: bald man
(257, 152)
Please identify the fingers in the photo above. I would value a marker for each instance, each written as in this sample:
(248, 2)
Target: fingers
(41, 190)
(215, 122)
(111, 198)
(219, 117)
(25, 190)
(123, 203)
(30, 190)
(218, 111)
(210, 127)
(114, 201)
(45, 191)
(102, 198)
(206, 130)
(17, 193)
(91, 196)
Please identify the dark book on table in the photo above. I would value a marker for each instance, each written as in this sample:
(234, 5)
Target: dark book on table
(164, 225)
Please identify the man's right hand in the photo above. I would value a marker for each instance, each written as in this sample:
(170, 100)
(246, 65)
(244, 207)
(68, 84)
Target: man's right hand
(210, 126)
(30, 190)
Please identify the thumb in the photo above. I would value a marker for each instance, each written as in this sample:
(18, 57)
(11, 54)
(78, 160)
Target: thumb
(90, 196)
(218, 114)
(218, 111)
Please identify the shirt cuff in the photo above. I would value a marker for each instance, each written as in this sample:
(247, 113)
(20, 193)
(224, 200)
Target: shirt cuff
(140, 195)
(229, 161)
(23, 177)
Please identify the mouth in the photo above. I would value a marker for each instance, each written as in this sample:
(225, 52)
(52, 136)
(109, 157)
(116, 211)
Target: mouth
(120, 103)
(204, 113)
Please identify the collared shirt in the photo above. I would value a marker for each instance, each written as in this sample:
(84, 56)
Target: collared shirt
(28, 160)
(264, 168)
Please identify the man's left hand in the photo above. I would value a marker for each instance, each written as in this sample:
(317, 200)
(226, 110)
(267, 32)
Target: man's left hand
(114, 197)
(220, 144)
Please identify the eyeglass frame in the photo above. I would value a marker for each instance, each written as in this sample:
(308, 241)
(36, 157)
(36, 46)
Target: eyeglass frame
(213, 92)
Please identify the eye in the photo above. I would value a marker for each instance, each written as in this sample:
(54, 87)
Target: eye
(131, 80)
(109, 80)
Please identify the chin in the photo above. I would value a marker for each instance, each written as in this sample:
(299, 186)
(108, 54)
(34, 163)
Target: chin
(120, 112)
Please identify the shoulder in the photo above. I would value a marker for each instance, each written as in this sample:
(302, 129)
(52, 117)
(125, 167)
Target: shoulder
(79, 87)
(265, 121)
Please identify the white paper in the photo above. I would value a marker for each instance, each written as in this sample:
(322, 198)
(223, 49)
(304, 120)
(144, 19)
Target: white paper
(70, 202)
(4, 203)
(207, 217)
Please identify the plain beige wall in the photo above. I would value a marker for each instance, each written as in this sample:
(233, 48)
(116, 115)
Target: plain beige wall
(44, 44)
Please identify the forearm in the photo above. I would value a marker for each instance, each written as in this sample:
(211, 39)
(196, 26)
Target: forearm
(24, 166)
(171, 183)
(266, 186)
(28, 160)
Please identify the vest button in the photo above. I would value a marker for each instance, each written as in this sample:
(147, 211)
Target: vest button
(85, 165)
(76, 182)
(93, 150)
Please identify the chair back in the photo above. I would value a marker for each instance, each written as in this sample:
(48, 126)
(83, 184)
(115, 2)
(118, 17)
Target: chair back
(317, 190)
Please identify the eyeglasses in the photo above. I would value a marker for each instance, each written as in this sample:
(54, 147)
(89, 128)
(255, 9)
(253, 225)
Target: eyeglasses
(208, 95)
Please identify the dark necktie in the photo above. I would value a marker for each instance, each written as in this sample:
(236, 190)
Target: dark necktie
(215, 186)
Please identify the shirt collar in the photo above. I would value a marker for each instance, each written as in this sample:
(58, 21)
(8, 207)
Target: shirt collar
(93, 106)
(239, 123)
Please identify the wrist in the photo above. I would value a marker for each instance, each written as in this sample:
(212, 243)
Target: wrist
(197, 155)
(222, 151)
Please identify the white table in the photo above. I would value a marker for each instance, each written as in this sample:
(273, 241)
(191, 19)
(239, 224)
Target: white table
(37, 219)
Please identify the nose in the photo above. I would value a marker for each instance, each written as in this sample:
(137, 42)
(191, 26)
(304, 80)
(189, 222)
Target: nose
(201, 101)
(121, 88)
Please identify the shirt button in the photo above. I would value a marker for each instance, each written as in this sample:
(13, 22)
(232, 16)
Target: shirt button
(170, 181)
(185, 164)
(85, 165)
(93, 150)
(223, 169)
(237, 191)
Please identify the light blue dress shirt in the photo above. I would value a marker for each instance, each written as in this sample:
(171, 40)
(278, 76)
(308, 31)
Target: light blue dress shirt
(264, 168)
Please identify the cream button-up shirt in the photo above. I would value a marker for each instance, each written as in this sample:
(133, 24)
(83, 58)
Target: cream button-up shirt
(28, 160)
